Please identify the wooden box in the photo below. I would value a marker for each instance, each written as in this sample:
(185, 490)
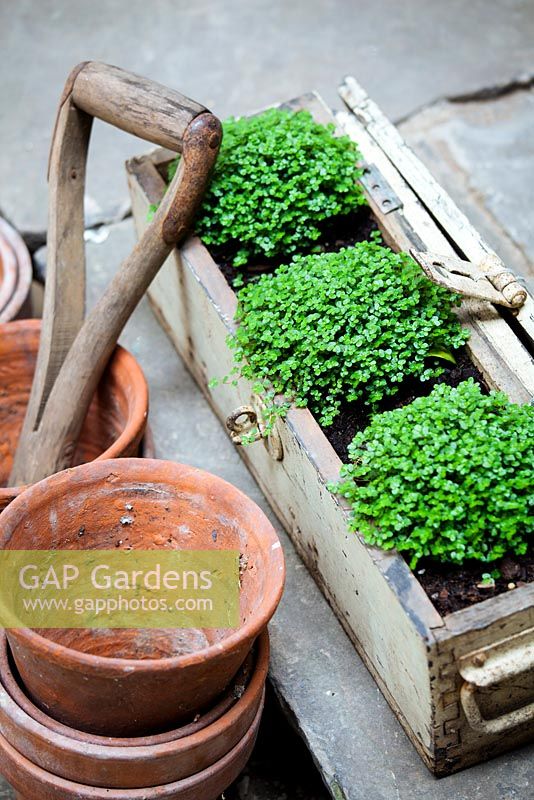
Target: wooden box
(462, 685)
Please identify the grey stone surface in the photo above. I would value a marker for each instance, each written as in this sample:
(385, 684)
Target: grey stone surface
(236, 56)
(482, 152)
(355, 739)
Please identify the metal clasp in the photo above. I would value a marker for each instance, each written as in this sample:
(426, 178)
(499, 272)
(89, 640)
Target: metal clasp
(489, 280)
(241, 422)
(379, 189)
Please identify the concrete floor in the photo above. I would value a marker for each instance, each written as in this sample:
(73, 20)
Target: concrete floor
(236, 56)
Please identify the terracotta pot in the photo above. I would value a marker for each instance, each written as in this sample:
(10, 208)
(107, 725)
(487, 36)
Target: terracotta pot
(138, 682)
(116, 419)
(15, 274)
(130, 763)
(34, 783)
(11, 682)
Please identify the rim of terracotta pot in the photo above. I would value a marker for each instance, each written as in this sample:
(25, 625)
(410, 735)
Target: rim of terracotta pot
(8, 274)
(143, 763)
(15, 766)
(110, 665)
(123, 363)
(230, 706)
(21, 279)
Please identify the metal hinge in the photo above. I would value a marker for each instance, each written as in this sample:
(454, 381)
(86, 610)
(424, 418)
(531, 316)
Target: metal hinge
(490, 280)
(379, 189)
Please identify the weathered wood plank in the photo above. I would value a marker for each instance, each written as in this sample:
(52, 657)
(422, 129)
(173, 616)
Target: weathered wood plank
(64, 302)
(443, 209)
(135, 104)
(493, 346)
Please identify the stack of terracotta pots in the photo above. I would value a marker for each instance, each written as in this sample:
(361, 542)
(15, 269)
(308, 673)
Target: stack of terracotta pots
(116, 420)
(15, 274)
(120, 714)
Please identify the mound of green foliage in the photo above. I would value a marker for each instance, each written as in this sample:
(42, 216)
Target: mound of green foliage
(448, 476)
(344, 326)
(278, 176)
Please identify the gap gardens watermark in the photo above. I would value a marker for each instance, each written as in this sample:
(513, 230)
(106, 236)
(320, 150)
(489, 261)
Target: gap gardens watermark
(119, 589)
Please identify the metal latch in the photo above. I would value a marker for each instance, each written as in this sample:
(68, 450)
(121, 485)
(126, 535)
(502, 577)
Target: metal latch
(379, 189)
(489, 280)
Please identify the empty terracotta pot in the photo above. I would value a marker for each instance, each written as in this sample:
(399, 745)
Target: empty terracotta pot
(131, 763)
(34, 783)
(137, 682)
(116, 419)
(15, 274)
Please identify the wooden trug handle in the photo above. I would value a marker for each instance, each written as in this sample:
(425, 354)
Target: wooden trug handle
(135, 104)
(73, 353)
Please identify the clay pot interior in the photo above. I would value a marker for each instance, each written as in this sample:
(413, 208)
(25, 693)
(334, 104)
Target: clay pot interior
(171, 507)
(116, 418)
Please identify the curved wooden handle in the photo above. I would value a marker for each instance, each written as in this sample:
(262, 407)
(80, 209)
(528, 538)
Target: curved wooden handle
(153, 112)
(134, 104)
(73, 352)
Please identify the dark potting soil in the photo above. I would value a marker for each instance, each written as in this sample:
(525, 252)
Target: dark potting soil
(339, 232)
(355, 417)
(450, 588)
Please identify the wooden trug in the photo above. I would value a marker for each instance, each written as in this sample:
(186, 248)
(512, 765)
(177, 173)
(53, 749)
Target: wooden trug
(74, 351)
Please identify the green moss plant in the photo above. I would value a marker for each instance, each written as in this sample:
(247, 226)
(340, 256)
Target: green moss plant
(345, 326)
(449, 477)
(278, 176)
